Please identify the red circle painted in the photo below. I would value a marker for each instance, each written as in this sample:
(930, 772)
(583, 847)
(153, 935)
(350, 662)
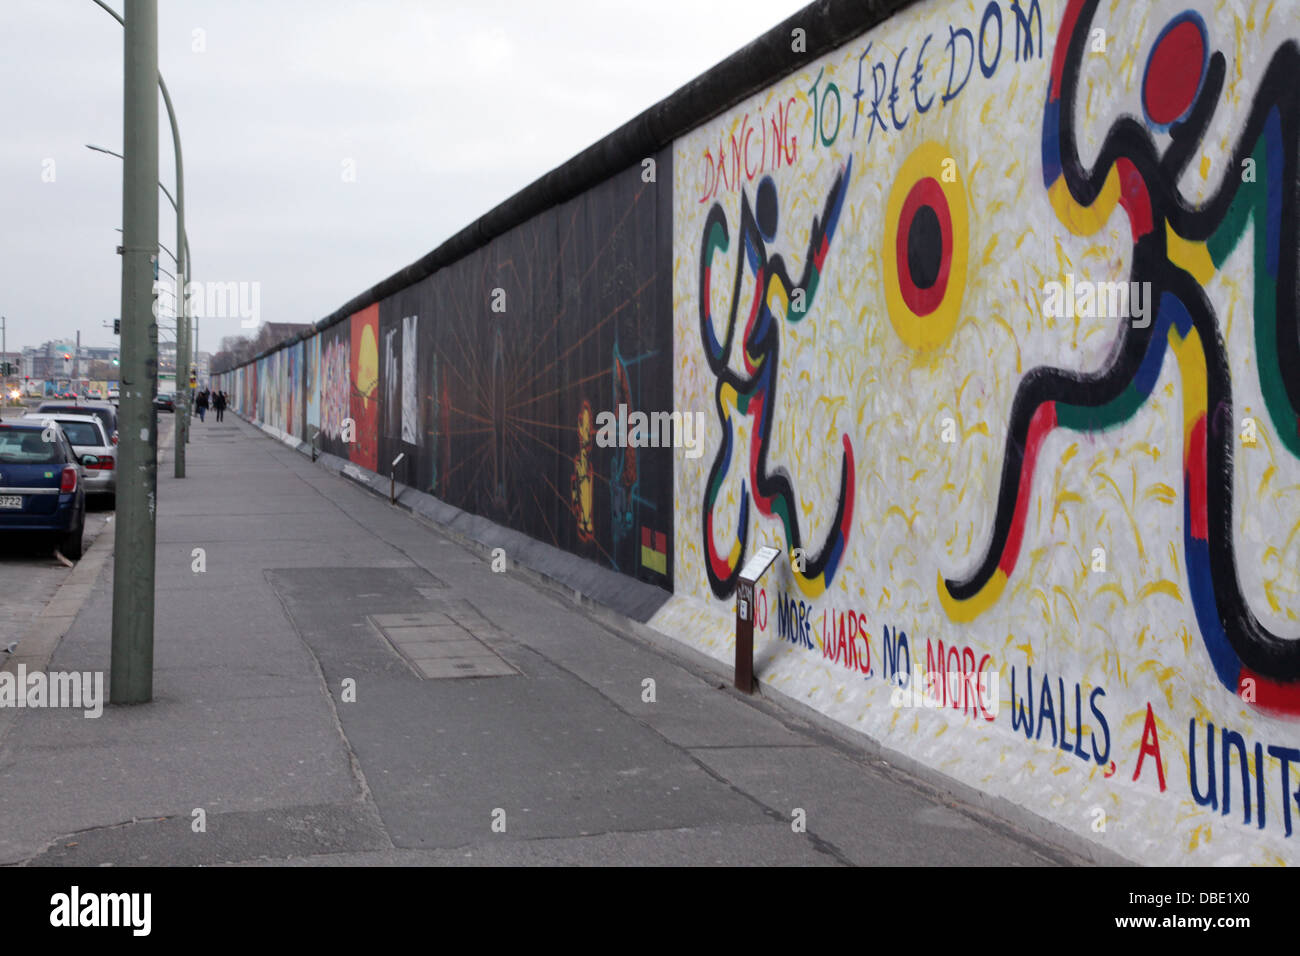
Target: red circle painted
(926, 192)
(1174, 73)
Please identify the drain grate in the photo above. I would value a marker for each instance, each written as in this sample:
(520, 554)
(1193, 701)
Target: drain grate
(436, 646)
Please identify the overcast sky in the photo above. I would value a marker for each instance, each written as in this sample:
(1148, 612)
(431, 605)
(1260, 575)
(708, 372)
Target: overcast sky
(443, 109)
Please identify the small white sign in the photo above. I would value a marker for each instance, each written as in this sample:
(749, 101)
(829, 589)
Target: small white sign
(759, 563)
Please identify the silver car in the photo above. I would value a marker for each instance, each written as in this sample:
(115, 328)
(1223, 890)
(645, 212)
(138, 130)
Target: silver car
(96, 450)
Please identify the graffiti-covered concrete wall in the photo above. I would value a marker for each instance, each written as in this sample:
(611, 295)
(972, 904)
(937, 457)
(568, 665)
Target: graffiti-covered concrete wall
(994, 314)
(989, 316)
(489, 378)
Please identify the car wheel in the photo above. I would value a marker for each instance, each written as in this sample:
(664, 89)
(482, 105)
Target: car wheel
(70, 544)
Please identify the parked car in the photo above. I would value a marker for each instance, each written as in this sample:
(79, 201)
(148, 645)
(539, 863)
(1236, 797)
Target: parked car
(104, 411)
(91, 444)
(114, 395)
(41, 486)
(165, 401)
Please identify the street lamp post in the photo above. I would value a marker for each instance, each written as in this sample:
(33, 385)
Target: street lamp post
(182, 271)
(131, 679)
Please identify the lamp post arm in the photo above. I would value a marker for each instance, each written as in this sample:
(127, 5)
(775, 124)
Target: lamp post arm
(183, 267)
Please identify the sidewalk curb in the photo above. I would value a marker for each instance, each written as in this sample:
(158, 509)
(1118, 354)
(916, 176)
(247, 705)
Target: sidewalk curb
(42, 638)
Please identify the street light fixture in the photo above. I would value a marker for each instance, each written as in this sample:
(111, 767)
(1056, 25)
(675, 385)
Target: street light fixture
(161, 185)
(184, 267)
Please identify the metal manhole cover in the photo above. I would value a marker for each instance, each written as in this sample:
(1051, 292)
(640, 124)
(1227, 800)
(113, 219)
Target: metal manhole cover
(436, 647)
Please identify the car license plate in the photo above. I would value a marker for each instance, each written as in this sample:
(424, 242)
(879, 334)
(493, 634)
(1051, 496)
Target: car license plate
(11, 501)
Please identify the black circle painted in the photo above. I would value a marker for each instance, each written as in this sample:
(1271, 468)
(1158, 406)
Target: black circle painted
(924, 247)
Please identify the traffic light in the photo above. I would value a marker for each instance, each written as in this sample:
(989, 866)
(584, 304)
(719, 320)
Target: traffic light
(117, 326)
(115, 360)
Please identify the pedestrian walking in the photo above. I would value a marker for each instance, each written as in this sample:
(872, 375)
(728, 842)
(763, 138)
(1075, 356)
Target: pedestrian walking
(219, 404)
(201, 403)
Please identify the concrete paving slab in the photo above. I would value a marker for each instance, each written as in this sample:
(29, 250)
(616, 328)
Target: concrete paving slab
(425, 619)
(771, 843)
(444, 649)
(242, 836)
(437, 668)
(450, 633)
(868, 816)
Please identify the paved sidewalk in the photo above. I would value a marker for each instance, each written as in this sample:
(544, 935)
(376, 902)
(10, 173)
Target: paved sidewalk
(252, 725)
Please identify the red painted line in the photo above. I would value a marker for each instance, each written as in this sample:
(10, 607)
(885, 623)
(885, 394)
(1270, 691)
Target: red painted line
(1040, 426)
(1272, 696)
(1134, 198)
(1194, 466)
(1068, 21)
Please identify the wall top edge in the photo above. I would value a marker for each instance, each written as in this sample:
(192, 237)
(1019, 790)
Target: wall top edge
(827, 24)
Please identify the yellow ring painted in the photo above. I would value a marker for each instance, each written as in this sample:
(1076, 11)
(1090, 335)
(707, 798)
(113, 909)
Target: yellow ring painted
(927, 332)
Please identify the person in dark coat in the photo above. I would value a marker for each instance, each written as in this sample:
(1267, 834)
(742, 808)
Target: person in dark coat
(219, 405)
(201, 403)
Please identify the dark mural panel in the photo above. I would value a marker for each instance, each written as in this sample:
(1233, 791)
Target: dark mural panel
(492, 372)
(497, 438)
(403, 384)
(615, 349)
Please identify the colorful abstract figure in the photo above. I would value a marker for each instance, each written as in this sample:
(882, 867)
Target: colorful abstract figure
(1178, 247)
(754, 392)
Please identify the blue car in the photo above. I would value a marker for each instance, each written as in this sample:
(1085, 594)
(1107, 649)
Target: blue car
(41, 487)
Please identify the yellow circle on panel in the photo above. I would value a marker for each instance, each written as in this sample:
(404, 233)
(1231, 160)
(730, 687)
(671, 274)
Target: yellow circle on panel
(927, 193)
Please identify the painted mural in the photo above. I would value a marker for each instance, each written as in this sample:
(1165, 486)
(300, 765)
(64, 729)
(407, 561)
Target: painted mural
(364, 396)
(994, 313)
(482, 384)
(990, 317)
(335, 386)
(311, 386)
(494, 369)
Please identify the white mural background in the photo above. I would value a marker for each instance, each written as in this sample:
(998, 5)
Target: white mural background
(923, 507)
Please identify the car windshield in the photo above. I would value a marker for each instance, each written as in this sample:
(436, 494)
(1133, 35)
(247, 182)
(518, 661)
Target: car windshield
(81, 433)
(28, 447)
(105, 415)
